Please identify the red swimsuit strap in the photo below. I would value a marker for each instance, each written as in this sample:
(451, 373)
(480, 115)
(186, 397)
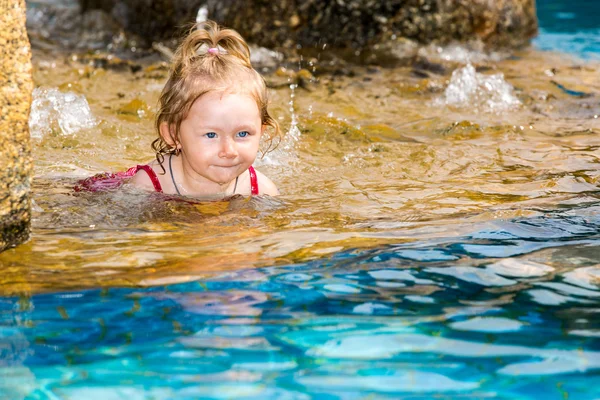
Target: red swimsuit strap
(152, 176)
(253, 181)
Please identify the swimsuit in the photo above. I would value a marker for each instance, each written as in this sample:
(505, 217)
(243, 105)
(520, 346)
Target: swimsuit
(108, 181)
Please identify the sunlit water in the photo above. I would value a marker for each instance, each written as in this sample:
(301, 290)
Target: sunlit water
(438, 235)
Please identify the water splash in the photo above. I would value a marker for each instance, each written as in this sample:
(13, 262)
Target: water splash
(284, 151)
(53, 110)
(264, 59)
(202, 15)
(469, 89)
(473, 52)
(294, 132)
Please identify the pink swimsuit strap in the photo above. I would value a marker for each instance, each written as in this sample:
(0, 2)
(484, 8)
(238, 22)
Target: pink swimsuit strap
(152, 175)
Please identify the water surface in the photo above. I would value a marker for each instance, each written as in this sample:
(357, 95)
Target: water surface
(438, 234)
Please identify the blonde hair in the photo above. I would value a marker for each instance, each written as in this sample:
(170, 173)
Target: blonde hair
(210, 58)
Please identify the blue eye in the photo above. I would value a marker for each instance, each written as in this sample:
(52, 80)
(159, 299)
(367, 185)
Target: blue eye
(243, 133)
(211, 135)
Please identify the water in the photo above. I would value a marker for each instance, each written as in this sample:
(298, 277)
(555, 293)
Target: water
(569, 27)
(468, 89)
(400, 321)
(438, 236)
(52, 110)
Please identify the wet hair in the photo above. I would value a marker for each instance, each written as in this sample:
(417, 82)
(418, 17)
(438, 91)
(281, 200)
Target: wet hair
(209, 59)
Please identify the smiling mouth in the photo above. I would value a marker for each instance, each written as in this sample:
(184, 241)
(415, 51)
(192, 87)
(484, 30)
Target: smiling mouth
(226, 166)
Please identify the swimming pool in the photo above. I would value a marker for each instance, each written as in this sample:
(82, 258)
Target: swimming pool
(438, 237)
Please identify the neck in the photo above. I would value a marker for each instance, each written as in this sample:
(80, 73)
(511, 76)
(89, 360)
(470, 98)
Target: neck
(189, 183)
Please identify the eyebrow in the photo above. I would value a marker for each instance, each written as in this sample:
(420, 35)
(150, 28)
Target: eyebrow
(237, 128)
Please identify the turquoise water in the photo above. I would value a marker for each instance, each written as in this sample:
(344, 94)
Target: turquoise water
(569, 27)
(401, 321)
(504, 309)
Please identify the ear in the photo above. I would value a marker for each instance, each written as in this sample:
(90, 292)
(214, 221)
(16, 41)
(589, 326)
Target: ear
(167, 133)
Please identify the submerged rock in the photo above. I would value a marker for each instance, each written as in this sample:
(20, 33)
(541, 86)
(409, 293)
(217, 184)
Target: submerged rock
(16, 85)
(357, 26)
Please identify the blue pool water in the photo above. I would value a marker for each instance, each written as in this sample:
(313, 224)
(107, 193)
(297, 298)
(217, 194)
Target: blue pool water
(509, 309)
(470, 316)
(569, 27)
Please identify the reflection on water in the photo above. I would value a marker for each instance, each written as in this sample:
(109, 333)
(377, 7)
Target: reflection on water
(438, 233)
(384, 157)
(427, 318)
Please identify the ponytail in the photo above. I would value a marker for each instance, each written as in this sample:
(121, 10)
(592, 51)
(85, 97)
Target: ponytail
(207, 36)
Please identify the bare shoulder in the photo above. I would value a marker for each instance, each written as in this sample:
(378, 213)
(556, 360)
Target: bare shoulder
(265, 185)
(142, 180)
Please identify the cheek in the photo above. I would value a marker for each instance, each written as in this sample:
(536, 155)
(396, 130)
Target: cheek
(200, 151)
(251, 145)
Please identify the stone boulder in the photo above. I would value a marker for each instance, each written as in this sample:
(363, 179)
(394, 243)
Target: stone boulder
(356, 25)
(16, 86)
(149, 20)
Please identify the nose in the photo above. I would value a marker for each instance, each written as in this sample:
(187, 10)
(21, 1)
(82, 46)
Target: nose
(227, 149)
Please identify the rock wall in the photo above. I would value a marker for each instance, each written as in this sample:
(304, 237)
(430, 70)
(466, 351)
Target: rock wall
(341, 24)
(361, 24)
(16, 86)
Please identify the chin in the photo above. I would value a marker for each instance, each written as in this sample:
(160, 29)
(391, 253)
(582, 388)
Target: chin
(226, 175)
(224, 179)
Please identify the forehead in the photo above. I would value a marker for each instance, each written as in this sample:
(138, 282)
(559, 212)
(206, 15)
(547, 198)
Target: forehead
(218, 104)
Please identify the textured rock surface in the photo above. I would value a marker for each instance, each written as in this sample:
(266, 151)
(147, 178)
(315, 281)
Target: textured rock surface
(150, 19)
(16, 86)
(342, 24)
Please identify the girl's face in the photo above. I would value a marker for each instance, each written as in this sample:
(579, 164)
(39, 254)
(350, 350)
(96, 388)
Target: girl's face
(220, 136)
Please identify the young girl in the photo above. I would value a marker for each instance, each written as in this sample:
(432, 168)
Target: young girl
(212, 115)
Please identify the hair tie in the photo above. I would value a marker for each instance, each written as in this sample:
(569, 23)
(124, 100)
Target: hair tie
(204, 49)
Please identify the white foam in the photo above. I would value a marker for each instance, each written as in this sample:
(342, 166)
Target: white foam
(53, 110)
(470, 89)
(261, 57)
(202, 15)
